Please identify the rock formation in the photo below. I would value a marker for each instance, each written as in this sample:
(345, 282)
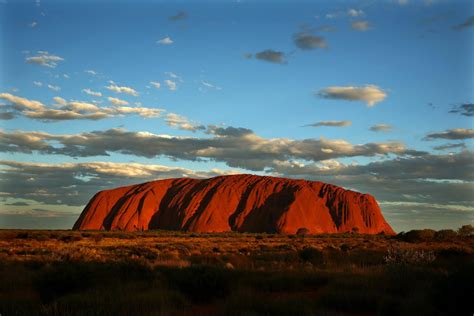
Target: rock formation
(243, 203)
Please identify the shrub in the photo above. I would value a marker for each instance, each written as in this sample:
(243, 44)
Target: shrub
(97, 238)
(303, 231)
(201, 283)
(466, 231)
(253, 303)
(70, 238)
(312, 255)
(345, 247)
(22, 235)
(350, 301)
(408, 256)
(446, 235)
(418, 235)
(453, 293)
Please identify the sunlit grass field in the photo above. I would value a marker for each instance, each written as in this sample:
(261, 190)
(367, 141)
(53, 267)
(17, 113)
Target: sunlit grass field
(177, 273)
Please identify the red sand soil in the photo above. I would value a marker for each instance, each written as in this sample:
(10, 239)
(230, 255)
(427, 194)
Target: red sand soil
(243, 203)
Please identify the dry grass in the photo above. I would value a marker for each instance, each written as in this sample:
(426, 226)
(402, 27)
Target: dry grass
(177, 273)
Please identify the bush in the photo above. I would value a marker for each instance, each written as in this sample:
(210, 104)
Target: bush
(70, 238)
(63, 278)
(253, 303)
(446, 235)
(347, 300)
(418, 235)
(312, 255)
(201, 283)
(408, 256)
(466, 231)
(22, 235)
(303, 231)
(453, 293)
(345, 247)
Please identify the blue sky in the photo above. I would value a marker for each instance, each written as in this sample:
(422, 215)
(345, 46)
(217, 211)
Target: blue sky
(404, 64)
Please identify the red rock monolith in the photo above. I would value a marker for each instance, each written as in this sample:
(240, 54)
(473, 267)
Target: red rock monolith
(243, 203)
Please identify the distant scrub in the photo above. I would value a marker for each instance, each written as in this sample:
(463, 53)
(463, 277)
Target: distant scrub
(417, 235)
(421, 272)
(430, 235)
(446, 235)
(466, 231)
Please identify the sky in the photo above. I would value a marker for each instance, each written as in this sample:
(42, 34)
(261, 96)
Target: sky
(374, 96)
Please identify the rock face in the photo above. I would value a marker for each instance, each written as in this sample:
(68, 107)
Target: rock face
(244, 203)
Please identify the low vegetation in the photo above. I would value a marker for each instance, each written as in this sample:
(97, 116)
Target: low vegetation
(175, 273)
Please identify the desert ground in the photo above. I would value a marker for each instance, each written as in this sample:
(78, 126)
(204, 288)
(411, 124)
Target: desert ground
(420, 272)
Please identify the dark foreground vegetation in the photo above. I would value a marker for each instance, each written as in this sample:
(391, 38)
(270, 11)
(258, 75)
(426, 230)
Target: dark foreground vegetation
(168, 273)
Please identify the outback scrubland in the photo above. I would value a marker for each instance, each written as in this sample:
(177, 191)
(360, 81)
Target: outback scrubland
(420, 272)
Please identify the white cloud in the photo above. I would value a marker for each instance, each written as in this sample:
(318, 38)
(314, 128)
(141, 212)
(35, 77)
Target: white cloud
(157, 85)
(54, 88)
(456, 133)
(452, 207)
(371, 94)
(33, 24)
(38, 83)
(127, 90)
(181, 122)
(93, 93)
(308, 41)
(60, 101)
(331, 123)
(72, 110)
(208, 86)
(116, 101)
(22, 103)
(355, 13)
(61, 183)
(331, 15)
(91, 72)
(141, 111)
(165, 41)
(77, 106)
(45, 59)
(381, 128)
(173, 75)
(361, 25)
(237, 147)
(171, 85)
